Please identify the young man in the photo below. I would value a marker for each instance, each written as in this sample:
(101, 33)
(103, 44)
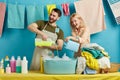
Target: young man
(45, 30)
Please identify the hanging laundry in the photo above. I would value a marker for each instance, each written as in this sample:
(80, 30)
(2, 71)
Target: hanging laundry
(34, 13)
(65, 7)
(2, 15)
(16, 16)
(50, 7)
(115, 8)
(93, 14)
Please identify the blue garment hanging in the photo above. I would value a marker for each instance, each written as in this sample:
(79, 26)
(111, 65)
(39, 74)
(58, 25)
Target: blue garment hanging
(34, 13)
(16, 16)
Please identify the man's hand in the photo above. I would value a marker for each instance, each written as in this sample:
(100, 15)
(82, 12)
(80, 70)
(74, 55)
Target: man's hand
(44, 37)
(44, 47)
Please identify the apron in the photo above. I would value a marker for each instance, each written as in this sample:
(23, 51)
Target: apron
(38, 52)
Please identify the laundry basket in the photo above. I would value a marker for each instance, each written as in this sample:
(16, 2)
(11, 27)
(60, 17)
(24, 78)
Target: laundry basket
(60, 66)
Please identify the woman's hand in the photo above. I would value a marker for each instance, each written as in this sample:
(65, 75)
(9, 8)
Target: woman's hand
(68, 38)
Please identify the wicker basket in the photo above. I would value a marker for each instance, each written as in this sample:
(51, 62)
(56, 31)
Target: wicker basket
(114, 67)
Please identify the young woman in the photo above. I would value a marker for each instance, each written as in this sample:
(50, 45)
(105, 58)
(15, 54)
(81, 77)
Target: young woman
(80, 32)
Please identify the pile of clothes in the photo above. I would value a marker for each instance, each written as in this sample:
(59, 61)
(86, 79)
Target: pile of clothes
(93, 58)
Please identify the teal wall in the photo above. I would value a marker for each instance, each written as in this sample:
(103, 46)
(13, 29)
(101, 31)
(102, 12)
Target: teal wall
(20, 42)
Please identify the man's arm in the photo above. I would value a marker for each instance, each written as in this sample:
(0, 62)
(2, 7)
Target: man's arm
(34, 28)
(58, 46)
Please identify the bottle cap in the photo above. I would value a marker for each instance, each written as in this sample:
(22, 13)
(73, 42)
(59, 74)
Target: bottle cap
(8, 65)
(12, 58)
(1, 60)
(24, 58)
(18, 58)
(6, 58)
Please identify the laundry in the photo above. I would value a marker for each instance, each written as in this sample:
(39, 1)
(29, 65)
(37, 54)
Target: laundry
(16, 16)
(65, 7)
(34, 13)
(92, 13)
(2, 15)
(50, 7)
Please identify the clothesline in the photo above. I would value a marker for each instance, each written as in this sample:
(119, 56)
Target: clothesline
(16, 13)
(33, 13)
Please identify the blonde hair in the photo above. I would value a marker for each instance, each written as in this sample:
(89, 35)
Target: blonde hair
(82, 24)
